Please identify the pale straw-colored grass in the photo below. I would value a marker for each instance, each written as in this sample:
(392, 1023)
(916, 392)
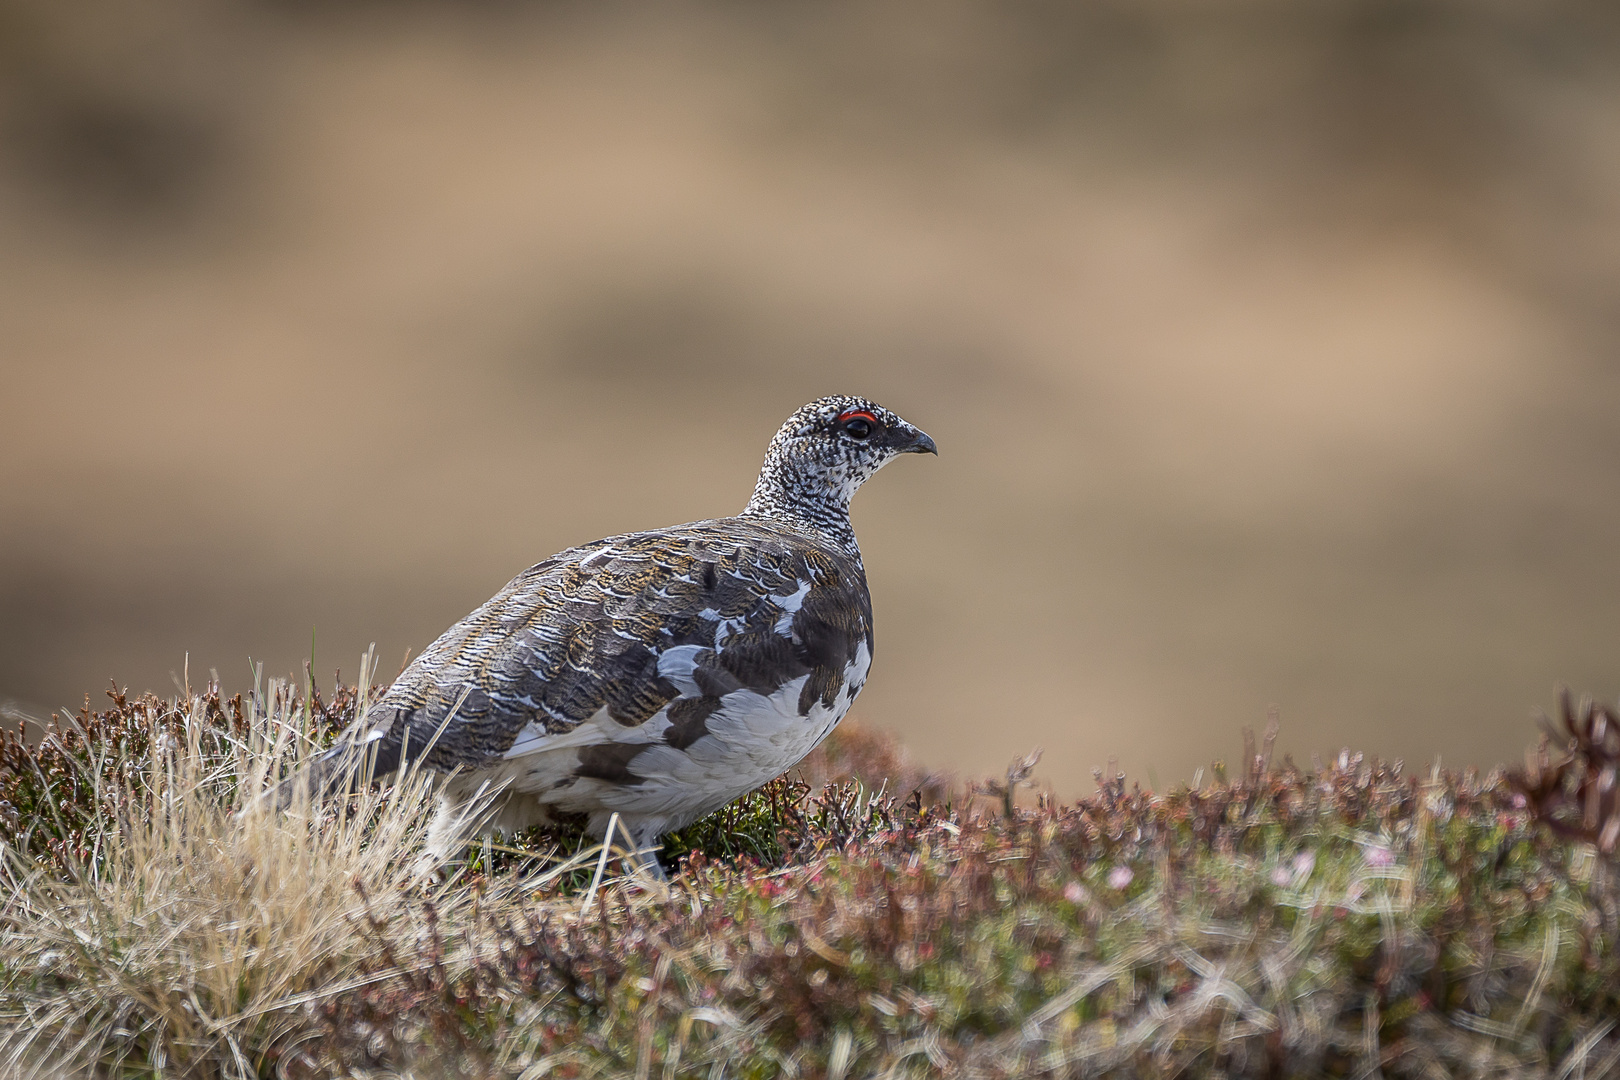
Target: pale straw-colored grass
(203, 926)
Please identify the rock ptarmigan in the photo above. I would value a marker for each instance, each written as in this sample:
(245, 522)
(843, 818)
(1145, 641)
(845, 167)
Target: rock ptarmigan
(656, 675)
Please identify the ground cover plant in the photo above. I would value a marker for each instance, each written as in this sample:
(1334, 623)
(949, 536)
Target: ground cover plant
(1351, 918)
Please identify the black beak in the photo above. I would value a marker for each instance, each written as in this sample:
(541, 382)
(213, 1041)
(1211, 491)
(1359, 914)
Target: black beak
(908, 440)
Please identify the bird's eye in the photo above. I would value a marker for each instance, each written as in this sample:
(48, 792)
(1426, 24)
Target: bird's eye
(858, 424)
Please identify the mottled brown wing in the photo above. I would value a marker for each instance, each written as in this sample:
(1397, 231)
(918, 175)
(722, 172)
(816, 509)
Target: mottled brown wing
(583, 632)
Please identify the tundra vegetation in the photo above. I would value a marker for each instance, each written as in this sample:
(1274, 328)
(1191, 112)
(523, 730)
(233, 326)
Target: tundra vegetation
(855, 919)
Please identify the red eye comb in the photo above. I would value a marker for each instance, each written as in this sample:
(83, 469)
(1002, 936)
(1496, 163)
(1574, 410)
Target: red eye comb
(857, 414)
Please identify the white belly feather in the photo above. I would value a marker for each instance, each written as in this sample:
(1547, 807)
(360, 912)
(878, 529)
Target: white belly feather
(751, 738)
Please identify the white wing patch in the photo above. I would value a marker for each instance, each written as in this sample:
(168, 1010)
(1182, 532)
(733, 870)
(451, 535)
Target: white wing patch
(790, 605)
(794, 600)
(677, 663)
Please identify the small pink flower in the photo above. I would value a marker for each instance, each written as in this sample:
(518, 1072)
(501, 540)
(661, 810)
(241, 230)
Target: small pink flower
(1120, 876)
(1377, 855)
(1304, 863)
(1280, 877)
(1074, 893)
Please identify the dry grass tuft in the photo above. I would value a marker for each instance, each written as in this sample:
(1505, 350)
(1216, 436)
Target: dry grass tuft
(148, 928)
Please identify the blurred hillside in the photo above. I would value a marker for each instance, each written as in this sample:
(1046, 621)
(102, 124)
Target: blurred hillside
(1273, 349)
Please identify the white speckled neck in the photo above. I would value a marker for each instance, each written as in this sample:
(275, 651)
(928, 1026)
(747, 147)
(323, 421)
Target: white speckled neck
(810, 473)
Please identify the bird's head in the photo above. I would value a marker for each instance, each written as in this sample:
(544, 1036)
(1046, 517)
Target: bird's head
(827, 450)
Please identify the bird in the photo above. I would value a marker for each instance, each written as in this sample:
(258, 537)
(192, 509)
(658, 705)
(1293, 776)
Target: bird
(648, 678)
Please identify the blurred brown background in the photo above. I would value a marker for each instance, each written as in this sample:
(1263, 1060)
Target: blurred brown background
(1273, 348)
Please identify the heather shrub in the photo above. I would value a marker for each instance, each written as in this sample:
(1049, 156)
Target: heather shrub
(1344, 921)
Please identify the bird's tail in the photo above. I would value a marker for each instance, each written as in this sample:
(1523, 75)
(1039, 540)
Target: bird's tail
(340, 770)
